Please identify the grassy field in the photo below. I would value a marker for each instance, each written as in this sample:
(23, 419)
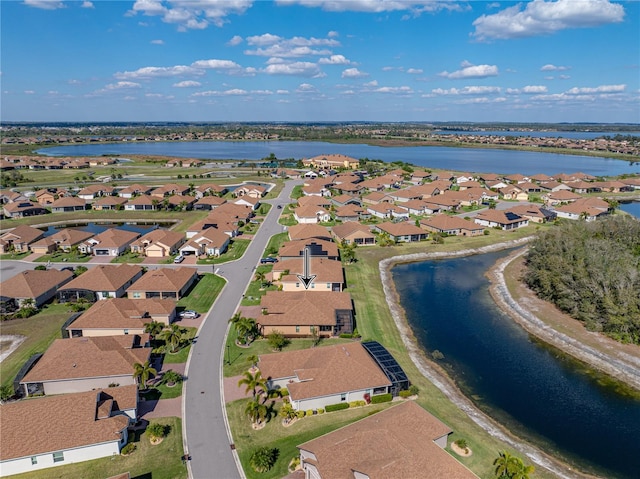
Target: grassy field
(203, 294)
(61, 257)
(163, 461)
(236, 249)
(40, 331)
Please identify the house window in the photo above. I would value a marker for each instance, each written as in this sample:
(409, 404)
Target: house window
(34, 460)
(313, 285)
(58, 456)
(343, 397)
(328, 285)
(297, 285)
(137, 295)
(126, 331)
(326, 328)
(297, 329)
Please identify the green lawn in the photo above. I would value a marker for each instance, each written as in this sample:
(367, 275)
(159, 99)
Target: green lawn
(273, 246)
(203, 294)
(236, 249)
(128, 257)
(10, 256)
(256, 289)
(40, 331)
(61, 257)
(163, 461)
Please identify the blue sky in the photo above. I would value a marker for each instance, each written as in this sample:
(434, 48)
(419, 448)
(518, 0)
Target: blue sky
(320, 60)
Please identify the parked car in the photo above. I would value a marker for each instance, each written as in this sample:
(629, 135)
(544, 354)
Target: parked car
(178, 259)
(279, 207)
(188, 314)
(268, 260)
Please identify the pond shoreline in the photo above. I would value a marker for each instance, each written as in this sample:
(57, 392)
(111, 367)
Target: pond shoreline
(435, 374)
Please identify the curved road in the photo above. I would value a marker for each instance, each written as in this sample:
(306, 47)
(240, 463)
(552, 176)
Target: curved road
(205, 430)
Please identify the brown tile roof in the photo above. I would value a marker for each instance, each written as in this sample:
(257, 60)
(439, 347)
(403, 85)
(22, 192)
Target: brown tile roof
(397, 442)
(500, 217)
(90, 357)
(325, 370)
(23, 234)
(159, 236)
(349, 227)
(211, 200)
(322, 201)
(164, 279)
(123, 313)
(349, 210)
(401, 229)
(448, 223)
(67, 201)
(57, 423)
(33, 283)
(141, 200)
(109, 201)
(105, 277)
(308, 230)
(115, 237)
(326, 270)
(303, 308)
(296, 247)
(69, 237)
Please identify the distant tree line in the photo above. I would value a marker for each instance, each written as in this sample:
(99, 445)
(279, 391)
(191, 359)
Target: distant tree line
(591, 271)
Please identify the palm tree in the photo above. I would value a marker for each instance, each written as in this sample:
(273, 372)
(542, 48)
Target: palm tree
(253, 383)
(519, 470)
(143, 372)
(503, 465)
(172, 336)
(253, 359)
(154, 328)
(247, 329)
(260, 276)
(256, 411)
(288, 413)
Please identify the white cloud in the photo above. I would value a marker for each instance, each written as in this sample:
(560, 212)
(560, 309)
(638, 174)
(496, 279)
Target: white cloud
(598, 89)
(534, 89)
(373, 6)
(468, 90)
(553, 68)
(394, 89)
(564, 77)
(45, 4)
(306, 88)
(270, 45)
(471, 71)
(87, 4)
(334, 60)
(372, 83)
(542, 17)
(214, 64)
(235, 40)
(333, 34)
(415, 71)
(481, 100)
(192, 14)
(353, 73)
(282, 92)
(306, 69)
(29, 92)
(187, 84)
(159, 72)
(157, 42)
(121, 85)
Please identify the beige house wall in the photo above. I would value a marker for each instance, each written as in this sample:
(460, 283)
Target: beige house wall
(87, 384)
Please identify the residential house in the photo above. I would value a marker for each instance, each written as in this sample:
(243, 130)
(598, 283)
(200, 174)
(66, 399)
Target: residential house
(142, 203)
(534, 213)
(303, 313)
(556, 197)
(19, 238)
(352, 232)
(514, 193)
(401, 441)
(451, 225)
(305, 231)
(318, 377)
(505, 220)
(109, 203)
(351, 212)
(22, 209)
(164, 283)
(63, 240)
(318, 201)
(419, 176)
(92, 192)
(122, 316)
(387, 211)
(416, 207)
(347, 188)
(111, 242)
(248, 201)
(39, 286)
(158, 243)
(311, 214)
(209, 203)
(468, 197)
(100, 282)
(317, 247)
(331, 161)
(585, 208)
(211, 189)
(46, 196)
(443, 203)
(65, 429)
(376, 197)
(134, 190)
(82, 364)
(210, 241)
(402, 232)
(170, 189)
(68, 204)
(180, 202)
(252, 191)
(344, 200)
(328, 274)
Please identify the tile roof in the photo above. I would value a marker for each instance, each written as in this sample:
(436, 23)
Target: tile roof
(324, 370)
(123, 313)
(67, 201)
(33, 283)
(114, 238)
(159, 236)
(69, 237)
(326, 270)
(401, 229)
(396, 442)
(23, 234)
(350, 227)
(308, 230)
(303, 307)
(90, 357)
(447, 223)
(105, 277)
(296, 247)
(55, 423)
(164, 279)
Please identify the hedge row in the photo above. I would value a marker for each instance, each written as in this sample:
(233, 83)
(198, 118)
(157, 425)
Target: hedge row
(337, 407)
(381, 398)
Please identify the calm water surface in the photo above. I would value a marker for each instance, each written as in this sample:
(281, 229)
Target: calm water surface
(632, 208)
(459, 159)
(532, 389)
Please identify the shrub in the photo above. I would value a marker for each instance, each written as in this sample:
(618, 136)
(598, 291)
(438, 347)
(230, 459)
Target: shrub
(40, 267)
(263, 458)
(309, 412)
(405, 393)
(320, 410)
(413, 389)
(277, 340)
(486, 232)
(300, 414)
(461, 443)
(357, 403)
(346, 335)
(283, 392)
(337, 407)
(128, 449)
(156, 430)
(381, 398)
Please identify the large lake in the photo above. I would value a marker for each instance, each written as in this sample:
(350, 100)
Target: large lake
(458, 159)
(533, 390)
(632, 207)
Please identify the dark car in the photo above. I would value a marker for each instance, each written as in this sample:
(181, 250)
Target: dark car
(268, 260)
(279, 207)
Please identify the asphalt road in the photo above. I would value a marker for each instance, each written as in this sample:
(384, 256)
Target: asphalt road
(205, 431)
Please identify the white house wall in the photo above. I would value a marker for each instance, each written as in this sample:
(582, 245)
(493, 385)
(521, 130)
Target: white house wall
(324, 401)
(88, 384)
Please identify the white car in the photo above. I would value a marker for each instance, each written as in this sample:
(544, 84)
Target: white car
(178, 259)
(189, 314)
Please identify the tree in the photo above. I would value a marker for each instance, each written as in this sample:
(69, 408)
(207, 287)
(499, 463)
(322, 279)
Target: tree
(154, 328)
(492, 204)
(277, 340)
(6, 393)
(254, 383)
(142, 373)
(348, 252)
(260, 276)
(172, 336)
(171, 377)
(288, 413)
(256, 411)
(511, 467)
(156, 430)
(263, 458)
(253, 359)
